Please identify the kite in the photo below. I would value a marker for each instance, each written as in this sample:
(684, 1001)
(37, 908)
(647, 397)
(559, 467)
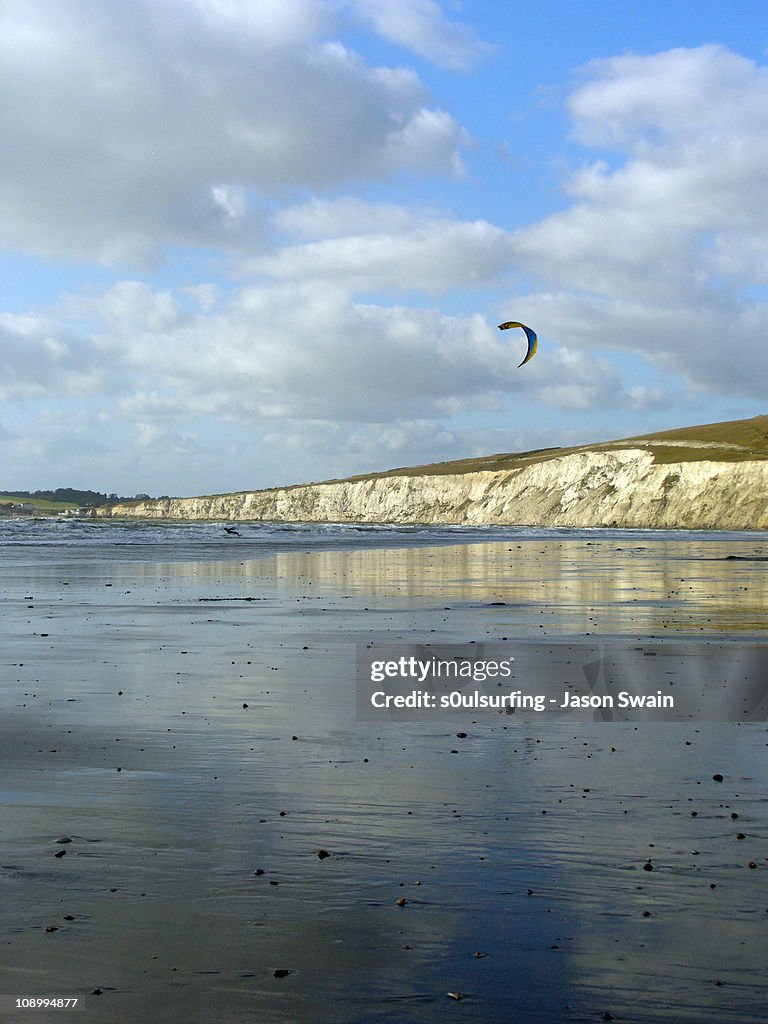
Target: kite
(533, 341)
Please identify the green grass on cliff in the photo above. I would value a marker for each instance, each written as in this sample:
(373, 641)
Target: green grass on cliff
(733, 441)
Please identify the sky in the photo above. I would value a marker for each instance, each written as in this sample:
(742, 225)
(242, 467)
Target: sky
(246, 243)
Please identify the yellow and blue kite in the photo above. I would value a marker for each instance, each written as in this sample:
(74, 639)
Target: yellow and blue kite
(533, 341)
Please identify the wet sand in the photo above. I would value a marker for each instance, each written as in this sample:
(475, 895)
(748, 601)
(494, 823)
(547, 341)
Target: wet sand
(184, 733)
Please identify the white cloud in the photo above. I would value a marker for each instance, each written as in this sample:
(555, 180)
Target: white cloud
(375, 247)
(419, 25)
(39, 356)
(667, 230)
(129, 127)
(300, 350)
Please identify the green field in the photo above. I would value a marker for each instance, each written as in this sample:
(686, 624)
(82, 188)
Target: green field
(15, 504)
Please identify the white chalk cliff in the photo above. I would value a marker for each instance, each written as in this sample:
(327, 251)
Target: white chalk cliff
(624, 484)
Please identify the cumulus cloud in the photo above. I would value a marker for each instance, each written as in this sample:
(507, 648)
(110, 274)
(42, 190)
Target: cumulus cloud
(301, 350)
(666, 231)
(369, 246)
(130, 127)
(420, 26)
(41, 356)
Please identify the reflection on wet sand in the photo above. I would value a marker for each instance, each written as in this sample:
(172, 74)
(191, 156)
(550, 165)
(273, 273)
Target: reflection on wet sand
(189, 727)
(587, 586)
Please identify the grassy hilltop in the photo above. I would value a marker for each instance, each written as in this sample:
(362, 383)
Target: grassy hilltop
(732, 441)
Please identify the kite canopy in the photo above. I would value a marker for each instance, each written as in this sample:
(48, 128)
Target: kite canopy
(533, 341)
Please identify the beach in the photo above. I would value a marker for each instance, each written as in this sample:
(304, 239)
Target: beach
(196, 826)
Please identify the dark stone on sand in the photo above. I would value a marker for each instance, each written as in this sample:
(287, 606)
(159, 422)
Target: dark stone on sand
(322, 854)
(718, 777)
(461, 735)
(647, 866)
(69, 917)
(281, 972)
(245, 705)
(259, 871)
(61, 853)
(51, 928)
(96, 992)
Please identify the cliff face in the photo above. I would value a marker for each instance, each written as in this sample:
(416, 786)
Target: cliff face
(625, 488)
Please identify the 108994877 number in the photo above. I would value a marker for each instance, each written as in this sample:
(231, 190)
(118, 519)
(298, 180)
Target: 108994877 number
(46, 1002)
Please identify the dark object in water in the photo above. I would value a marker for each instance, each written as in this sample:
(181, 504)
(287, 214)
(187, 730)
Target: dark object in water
(322, 854)
(281, 972)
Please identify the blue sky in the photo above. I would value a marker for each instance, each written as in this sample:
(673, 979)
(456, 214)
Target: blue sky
(252, 243)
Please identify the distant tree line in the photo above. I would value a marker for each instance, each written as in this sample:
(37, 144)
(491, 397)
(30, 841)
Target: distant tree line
(73, 496)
